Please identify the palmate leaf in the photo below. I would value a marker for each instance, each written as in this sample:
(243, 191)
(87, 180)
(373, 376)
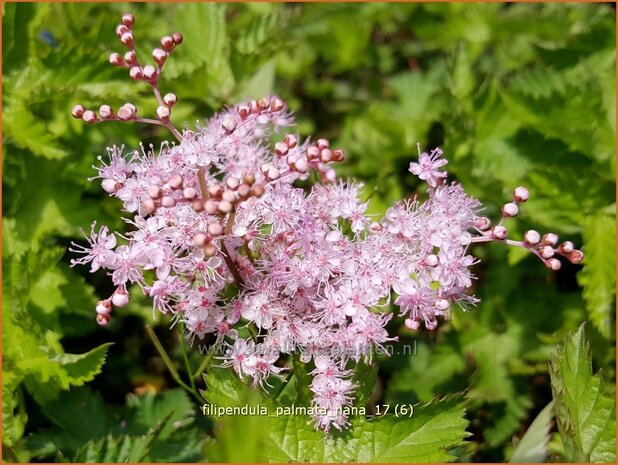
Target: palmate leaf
(599, 274)
(585, 410)
(427, 435)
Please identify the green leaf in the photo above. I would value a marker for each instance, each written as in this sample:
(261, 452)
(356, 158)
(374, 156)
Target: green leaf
(427, 436)
(365, 376)
(585, 410)
(532, 448)
(599, 274)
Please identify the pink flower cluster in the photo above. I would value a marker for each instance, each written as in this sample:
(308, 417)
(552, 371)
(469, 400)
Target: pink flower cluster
(224, 241)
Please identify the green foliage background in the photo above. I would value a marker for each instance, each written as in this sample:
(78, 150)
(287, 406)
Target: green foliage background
(518, 94)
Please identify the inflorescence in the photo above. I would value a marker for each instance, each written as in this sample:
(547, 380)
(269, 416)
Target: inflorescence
(222, 240)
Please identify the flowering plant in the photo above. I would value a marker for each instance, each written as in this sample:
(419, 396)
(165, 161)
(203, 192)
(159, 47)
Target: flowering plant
(223, 238)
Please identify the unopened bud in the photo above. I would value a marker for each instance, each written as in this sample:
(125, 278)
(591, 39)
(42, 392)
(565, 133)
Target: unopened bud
(177, 38)
(326, 155)
(199, 240)
(243, 191)
(225, 206)
(116, 60)
(105, 112)
(431, 260)
(128, 20)
(104, 307)
(520, 194)
(249, 179)
(277, 104)
(243, 111)
(189, 193)
(232, 182)
(553, 264)
(130, 57)
(228, 195)
(154, 191)
(163, 113)
(257, 191)
(532, 237)
(482, 223)
(576, 257)
(547, 251)
(110, 186)
(77, 111)
(150, 73)
(281, 149)
(567, 247)
(301, 165)
(126, 112)
(210, 250)
(168, 201)
(89, 117)
(121, 29)
(442, 304)
(167, 43)
(263, 103)
(126, 39)
(216, 228)
(211, 207)
(322, 144)
(175, 181)
(159, 56)
(228, 123)
(338, 155)
(290, 140)
(510, 209)
(313, 152)
(411, 324)
(136, 73)
(170, 99)
(498, 232)
(148, 207)
(103, 320)
(550, 239)
(120, 298)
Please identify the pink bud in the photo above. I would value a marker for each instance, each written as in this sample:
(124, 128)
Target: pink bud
(120, 298)
(277, 104)
(576, 257)
(177, 38)
(532, 237)
(228, 123)
(130, 57)
(170, 99)
(103, 320)
(322, 144)
(167, 43)
(431, 260)
(105, 111)
(550, 239)
(199, 240)
(168, 201)
(273, 174)
(431, 324)
(126, 39)
(189, 193)
(150, 72)
(243, 111)
(281, 149)
(163, 113)
(326, 155)
(263, 103)
(215, 190)
(154, 191)
(510, 209)
(159, 56)
(338, 155)
(232, 182)
(121, 29)
(225, 206)
(128, 20)
(104, 307)
(175, 181)
(313, 152)
(302, 165)
(216, 228)
(126, 112)
(110, 186)
(520, 194)
(482, 223)
(547, 251)
(567, 247)
(498, 232)
(211, 207)
(228, 195)
(136, 73)
(290, 140)
(411, 324)
(89, 117)
(116, 60)
(148, 207)
(77, 111)
(442, 304)
(553, 264)
(243, 191)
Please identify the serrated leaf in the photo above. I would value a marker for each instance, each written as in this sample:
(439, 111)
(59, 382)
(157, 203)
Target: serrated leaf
(427, 436)
(585, 411)
(149, 409)
(532, 448)
(599, 274)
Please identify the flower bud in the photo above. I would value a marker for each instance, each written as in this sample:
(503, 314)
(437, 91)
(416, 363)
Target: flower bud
(411, 324)
(127, 39)
(322, 144)
(150, 73)
(130, 57)
(136, 73)
(128, 20)
(243, 111)
(338, 155)
(249, 179)
(163, 113)
(106, 112)
(126, 112)
(103, 320)
(520, 194)
(189, 193)
(228, 123)
(263, 103)
(547, 251)
(215, 190)
(159, 56)
(232, 182)
(498, 232)
(110, 186)
(104, 307)
(167, 43)
(211, 207)
(210, 250)
(442, 304)
(431, 324)
(431, 260)
(116, 60)
(313, 153)
(121, 29)
(177, 38)
(553, 264)
(168, 201)
(510, 209)
(482, 223)
(550, 239)
(154, 191)
(243, 191)
(225, 206)
(257, 191)
(576, 257)
(198, 205)
(170, 99)
(120, 298)
(277, 104)
(175, 181)
(89, 117)
(566, 247)
(77, 112)
(281, 149)
(290, 140)
(532, 237)
(199, 239)
(216, 228)
(326, 155)
(228, 195)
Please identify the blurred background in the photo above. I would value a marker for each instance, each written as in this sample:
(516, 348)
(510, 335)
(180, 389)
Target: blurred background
(515, 94)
